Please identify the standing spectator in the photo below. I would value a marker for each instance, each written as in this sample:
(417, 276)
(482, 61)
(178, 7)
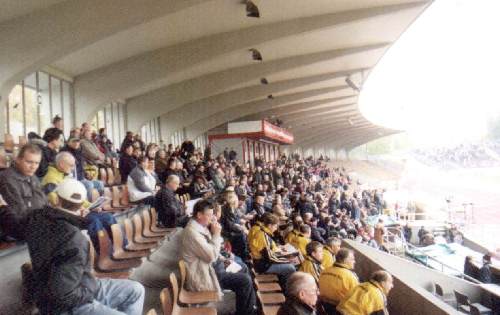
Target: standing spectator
(232, 155)
(201, 244)
(62, 272)
(301, 295)
(127, 162)
(21, 191)
(168, 207)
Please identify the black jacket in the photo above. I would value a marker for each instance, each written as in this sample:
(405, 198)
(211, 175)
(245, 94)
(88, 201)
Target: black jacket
(23, 194)
(168, 207)
(127, 164)
(48, 157)
(59, 254)
(293, 306)
(229, 220)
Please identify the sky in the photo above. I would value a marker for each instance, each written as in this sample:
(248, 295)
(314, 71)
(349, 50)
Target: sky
(440, 80)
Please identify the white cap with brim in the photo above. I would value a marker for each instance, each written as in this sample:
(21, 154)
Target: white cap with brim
(72, 190)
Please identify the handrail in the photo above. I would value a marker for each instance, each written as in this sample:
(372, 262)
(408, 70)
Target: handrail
(413, 247)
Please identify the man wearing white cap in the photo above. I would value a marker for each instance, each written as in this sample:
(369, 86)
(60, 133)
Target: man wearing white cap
(63, 279)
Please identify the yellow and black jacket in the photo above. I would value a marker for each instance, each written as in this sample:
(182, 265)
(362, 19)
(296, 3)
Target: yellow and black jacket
(336, 282)
(312, 266)
(263, 250)
(368, 298)
(290, 237)
(328, 258)
(300, 242)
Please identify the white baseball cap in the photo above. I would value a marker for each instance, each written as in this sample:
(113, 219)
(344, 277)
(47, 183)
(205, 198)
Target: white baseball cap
(72, 190)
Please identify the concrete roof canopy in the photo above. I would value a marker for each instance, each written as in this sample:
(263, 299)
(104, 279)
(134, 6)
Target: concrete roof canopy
(189, 62)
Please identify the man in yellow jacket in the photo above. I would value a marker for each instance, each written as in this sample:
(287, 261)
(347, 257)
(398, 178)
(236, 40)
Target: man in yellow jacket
(64, 165)
(265, 253)
(312, 262)
(330, 249)
(337, 281)
(368, 298)
(300, 242)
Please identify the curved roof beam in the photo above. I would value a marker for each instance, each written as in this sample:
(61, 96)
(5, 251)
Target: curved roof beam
(233, 113)
(300, 108)
(141, 74)
(165, 100)
(43, 36)
(192, 112)
(347, 109)
(323, 119)
(321, 125)
(329, 139)
(332, 129)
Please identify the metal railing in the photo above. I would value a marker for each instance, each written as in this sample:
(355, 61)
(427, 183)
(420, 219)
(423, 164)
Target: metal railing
(400, 239)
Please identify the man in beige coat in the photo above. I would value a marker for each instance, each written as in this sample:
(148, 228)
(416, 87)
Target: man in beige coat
(201, 244)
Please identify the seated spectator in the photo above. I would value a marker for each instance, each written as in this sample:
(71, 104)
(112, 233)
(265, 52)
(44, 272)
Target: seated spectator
(297, 222)
(331, 248)
(63, 278)
(52, 138)
(168, 206)
(337, 281)
(127, 141)
(233, 227)
(21, 191)
(90, 152)
(258, 205)
(313, 260)
(265, 252)
(301, 295)
(201, 244)
(62, 168)
(302, 239)
(73, 147)
(316, 232)
(368, 297)
(141, 183)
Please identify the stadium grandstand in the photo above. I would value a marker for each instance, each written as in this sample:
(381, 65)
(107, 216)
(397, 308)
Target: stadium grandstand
(198, 157)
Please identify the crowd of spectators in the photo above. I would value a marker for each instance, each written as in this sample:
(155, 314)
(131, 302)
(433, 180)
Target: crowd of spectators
(246, 214)
(471, 155)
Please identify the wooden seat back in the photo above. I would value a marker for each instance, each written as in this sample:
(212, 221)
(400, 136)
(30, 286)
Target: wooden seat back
(166, 301)
(125, 198)
(111, 177)
(8, 143)
(103, 176)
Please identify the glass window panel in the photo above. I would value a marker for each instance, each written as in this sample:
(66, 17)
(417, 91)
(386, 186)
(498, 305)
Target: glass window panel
(100, 119)
(116, 125)
(108, 122)
(43, 101)
(67, 108)
(121, 123)
(16, 112)
(56, 97)
(31, 104)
